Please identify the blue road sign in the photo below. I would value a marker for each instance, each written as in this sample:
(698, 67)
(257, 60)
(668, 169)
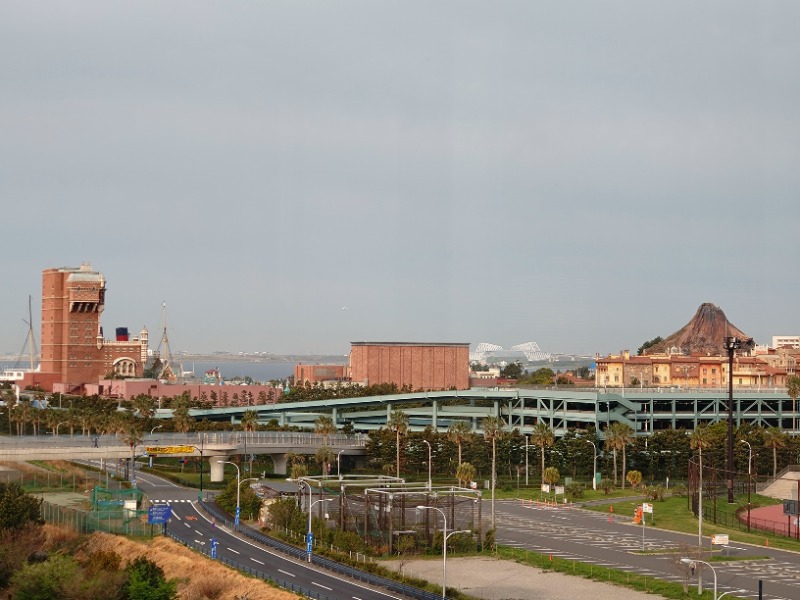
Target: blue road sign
(159, 514)
(214, 548)
(238, 510)
(309, 542)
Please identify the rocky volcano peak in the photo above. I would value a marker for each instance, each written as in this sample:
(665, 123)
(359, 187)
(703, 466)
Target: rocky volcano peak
(705, 334)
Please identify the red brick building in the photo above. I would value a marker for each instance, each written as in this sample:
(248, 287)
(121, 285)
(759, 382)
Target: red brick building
(320, 374)
(422, 366)
(74, 351)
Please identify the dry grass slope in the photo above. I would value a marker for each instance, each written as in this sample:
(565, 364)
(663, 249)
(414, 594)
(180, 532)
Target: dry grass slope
(200, 578)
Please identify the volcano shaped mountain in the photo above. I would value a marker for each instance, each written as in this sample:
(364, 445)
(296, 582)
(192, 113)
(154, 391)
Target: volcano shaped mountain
(705, 334)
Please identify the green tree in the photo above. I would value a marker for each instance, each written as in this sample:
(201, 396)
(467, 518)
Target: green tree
(325, 427)
(398, 422)
(551, 476)
(702, 437)
(634, 477)
(181, 419)
(457, 433)
(774, 438)
(512, 370)
(465, 473)
(146, 581)
(324, 457)
(618, 436)
(17, 508)
(649, 344)
(543, 437)
(46, 580)
(492, 431)
(249, 420)
(793, 390)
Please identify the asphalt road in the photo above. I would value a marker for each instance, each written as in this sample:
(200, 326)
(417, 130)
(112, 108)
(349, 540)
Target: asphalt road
(595, 538)
(190, 524)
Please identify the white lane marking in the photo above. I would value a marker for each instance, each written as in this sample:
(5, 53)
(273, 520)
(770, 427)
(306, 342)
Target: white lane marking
(198, 532)
(255, 560)
(356, 598)
(324, 587)
(286, 573)
(234, 551)
(189, 526)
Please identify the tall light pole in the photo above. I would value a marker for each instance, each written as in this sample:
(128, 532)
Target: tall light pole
(339, 463)
(428, 444)
(594, 463)
(310, 537)
(445, 537)
(238, 475)
(749, 477)
(691, 561)
(55, 431)
(527, 437)
(154, 428)
(731, 345)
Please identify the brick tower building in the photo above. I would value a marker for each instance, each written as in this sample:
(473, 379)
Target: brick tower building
(73, 349)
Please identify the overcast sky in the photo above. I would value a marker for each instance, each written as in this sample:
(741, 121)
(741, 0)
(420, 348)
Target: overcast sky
(579, 174)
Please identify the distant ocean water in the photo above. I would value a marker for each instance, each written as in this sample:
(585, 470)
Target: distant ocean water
(259, 371)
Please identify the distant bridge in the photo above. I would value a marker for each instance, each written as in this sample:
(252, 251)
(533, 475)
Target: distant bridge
(211, 445)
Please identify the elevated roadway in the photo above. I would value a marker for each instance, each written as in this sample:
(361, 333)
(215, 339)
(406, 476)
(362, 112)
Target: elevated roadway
(214, 446)
(644, 410)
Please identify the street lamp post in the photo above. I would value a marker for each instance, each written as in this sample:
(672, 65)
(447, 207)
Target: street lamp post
(749, 477)
(428, 444)
(527, 437)
(339, 463)
(445, 537)
(238, 481)
(55, 432)
(154, 428)
(731, 345)
(310, 538)
(594, 463)
(691, 561)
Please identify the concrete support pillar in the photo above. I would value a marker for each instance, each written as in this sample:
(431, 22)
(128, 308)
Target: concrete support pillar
(217, 470)
(279, 462)
(434, 415)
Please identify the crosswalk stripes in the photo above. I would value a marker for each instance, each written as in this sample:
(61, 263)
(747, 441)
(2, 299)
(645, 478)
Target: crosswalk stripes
(161, 501)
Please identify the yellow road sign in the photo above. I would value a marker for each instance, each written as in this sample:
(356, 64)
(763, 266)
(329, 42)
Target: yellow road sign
(169, 449)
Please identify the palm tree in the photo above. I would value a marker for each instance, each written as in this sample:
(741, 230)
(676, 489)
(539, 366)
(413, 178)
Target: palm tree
(618, 436)
(793, 389)
(398, 422)
(457, 433)
(492, 431)
(465, 473)
(774, 438)
(543, 437)
(324, 426)
(130, 429)
(249, 420)
(181, 418)
(324, 456)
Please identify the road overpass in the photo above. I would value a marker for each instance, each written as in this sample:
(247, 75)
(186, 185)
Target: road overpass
(644, 410)
(214, 446)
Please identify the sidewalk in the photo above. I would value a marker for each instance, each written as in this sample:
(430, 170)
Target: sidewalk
(495, 579)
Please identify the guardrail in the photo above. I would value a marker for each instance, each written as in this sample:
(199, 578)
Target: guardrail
(325, 563)
(287, 585)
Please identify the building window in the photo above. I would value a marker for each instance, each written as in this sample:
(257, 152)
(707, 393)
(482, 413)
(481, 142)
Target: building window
(705, 371)
(704, 381)
(713, 371)
(616, 378)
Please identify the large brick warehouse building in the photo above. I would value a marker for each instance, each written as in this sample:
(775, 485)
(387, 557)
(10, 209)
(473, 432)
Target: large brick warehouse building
(422, 366)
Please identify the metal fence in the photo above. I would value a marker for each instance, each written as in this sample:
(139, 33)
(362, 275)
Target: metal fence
(120, 521)
(59, 481)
